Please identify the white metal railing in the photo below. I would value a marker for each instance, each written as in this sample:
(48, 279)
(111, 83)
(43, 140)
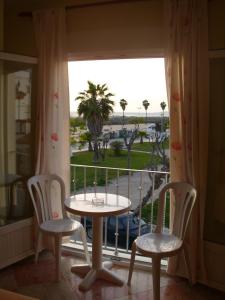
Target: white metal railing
(140, 186)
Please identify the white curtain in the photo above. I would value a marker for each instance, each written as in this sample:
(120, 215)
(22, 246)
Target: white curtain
(187, 87)
(52, 114)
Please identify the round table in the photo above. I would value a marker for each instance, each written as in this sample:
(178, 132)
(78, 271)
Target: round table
(82, 204)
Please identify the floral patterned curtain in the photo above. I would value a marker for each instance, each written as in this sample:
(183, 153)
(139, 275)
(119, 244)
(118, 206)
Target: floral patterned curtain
(52, 113)
(187, 87)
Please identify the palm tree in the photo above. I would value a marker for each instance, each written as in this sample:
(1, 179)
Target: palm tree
(95, 107)
(142, 134)
(163, 106)
(146, 104)
(123, 104)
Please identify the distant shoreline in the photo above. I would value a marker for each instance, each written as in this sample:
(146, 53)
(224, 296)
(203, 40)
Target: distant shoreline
(131, 114)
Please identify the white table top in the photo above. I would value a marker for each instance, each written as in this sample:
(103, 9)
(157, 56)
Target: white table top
(81, 204)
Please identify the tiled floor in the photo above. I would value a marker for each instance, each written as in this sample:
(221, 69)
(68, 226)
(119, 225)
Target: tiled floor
(37, 280)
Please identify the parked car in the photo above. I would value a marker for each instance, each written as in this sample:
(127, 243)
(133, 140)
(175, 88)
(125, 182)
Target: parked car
(122, 229)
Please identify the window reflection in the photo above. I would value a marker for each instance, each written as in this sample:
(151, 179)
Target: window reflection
(15, 140)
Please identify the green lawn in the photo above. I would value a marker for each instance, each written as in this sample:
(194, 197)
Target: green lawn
(146, 146)
(138, 161)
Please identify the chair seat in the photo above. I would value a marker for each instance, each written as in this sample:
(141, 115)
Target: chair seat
(64, 226)
(158, 243)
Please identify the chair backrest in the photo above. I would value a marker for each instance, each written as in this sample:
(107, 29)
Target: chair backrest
(183, 199)
(41, 188)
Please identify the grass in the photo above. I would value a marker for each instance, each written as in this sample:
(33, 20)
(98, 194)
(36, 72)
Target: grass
(138, 161)
(146, 146)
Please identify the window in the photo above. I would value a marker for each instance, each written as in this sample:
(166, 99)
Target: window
(143, 120)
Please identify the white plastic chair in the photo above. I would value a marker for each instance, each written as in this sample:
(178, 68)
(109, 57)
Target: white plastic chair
(40, 188)
(158, 245)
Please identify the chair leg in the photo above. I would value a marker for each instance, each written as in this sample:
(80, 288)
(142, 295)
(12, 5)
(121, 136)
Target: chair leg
(84, 240)
(187, 263)
(132, 259)
(38, 246)
(156, 277)
(58, 247)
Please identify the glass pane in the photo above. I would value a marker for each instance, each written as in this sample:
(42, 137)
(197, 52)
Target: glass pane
(15, 140)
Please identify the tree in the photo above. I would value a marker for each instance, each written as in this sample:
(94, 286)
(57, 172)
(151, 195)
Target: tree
(156, 179)
(116, 146)
(76, 123)
(158, 150)
(86, 137)
(142, 134)
(95, 107)
(146, 104)
(163, 106)
(135, 120)
(128, 141)
(73, 140)
(123, 104)
(103, 141)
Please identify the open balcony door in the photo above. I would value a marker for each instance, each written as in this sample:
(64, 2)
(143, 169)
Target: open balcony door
(16, 221)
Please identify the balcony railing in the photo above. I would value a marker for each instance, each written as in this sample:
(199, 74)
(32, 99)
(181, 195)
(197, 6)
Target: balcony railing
(140, 186)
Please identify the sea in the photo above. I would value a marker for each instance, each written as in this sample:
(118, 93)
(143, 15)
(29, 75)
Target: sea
(131, 114)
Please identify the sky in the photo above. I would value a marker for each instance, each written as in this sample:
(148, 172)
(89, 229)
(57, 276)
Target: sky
(132, 79)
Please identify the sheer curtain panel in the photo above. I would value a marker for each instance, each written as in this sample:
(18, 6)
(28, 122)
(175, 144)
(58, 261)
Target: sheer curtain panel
(52, 115)
(187, 87)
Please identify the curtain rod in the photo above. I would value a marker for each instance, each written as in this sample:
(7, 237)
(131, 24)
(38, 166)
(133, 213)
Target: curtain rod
(77, 6)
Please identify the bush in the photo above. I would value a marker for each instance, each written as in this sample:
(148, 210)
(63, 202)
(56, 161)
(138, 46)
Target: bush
(116, 146)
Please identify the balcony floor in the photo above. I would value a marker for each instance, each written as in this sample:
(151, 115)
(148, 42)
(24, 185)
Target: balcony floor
(37, 280)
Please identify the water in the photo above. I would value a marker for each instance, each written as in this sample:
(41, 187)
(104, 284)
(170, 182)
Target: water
(141, 114)
(131, 114)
